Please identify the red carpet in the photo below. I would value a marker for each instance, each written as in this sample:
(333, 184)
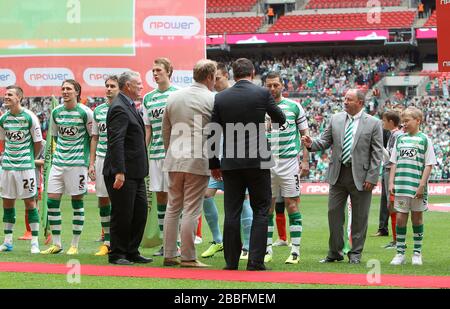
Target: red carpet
(244, 276)
(442, 207)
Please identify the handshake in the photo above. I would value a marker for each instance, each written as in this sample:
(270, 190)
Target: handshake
(307, 141)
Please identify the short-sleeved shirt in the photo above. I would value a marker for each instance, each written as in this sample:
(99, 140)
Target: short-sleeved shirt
(154, 106)
(19, 132)
(99, 128)
(285, 142)
(411, 154)
(73, 129)
(40, 156)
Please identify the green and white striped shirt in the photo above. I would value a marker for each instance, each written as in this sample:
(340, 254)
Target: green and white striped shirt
(154, 106)
(73, 129)
(99, 128)
(285, 142)
(411, 154)
(19, 132)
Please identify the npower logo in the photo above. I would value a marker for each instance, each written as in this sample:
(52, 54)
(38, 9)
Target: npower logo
(38, 77)
(180, 78)
(96, 77)
(171, 25)
(7, 77)
(446, 63)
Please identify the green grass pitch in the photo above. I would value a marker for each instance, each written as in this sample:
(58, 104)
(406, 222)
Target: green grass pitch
(313, 247)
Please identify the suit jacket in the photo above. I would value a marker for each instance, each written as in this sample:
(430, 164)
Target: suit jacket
(245, 105)
(187, 113)
(367, 148)
(127, 152)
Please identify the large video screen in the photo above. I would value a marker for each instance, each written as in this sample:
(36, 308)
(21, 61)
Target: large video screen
(66, 27)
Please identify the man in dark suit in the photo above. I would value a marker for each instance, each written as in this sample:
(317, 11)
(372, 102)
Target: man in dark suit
(383, 229)
(125, 167)
(240, 111)
(356, 140)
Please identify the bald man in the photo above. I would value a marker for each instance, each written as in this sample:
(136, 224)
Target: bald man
(356, 139)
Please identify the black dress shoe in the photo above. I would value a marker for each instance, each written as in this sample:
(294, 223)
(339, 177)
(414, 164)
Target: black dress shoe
(331, 260)
(257, 266)
(354, 260)
(230, 268)
(140, 259)
(380, 233)
(121, 262)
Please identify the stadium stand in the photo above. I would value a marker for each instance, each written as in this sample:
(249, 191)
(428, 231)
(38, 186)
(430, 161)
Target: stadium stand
(233, 25)
(334, 4)
(222, 6)
(316, 75)
(431, 22)
(352, 21)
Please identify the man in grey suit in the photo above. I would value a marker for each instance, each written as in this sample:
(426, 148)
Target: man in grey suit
(187, 113)
(356, 139)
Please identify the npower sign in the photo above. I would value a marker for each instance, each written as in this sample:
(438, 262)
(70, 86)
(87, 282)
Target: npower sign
(171, 26)
(180, 78)
(7, 77)
(96, 77)
(38, 77)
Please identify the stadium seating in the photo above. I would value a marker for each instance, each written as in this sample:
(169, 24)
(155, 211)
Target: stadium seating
(223, 6)
(334, 4)
(233, 25)
(431, 22)
(351, 21)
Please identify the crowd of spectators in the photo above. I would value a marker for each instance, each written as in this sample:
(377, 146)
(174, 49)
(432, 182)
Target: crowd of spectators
(316, 75)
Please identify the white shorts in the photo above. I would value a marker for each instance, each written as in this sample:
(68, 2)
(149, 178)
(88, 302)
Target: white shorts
(285, 178)
(71, 180)
(18, 184)
(100, 187)
(405, 204)
(159, 180)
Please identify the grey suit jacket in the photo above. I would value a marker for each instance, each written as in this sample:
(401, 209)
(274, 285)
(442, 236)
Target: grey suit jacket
(367, 149)
(187, 113)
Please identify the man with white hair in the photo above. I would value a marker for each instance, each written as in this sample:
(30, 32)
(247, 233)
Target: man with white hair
(124, 170)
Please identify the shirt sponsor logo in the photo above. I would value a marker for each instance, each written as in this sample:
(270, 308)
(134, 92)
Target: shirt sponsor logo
(15, 136)
(156, 113)
(68, 131)
(410, 153)
(7, 77)
(38, 77)
(171, 26)
(102, 127)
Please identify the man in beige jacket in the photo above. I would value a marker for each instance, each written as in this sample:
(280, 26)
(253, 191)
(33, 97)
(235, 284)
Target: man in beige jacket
(187, 113)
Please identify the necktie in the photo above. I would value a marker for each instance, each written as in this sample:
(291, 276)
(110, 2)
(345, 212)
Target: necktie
(348, 141)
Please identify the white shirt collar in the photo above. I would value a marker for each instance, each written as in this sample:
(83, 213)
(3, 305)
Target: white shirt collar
(357, 116)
